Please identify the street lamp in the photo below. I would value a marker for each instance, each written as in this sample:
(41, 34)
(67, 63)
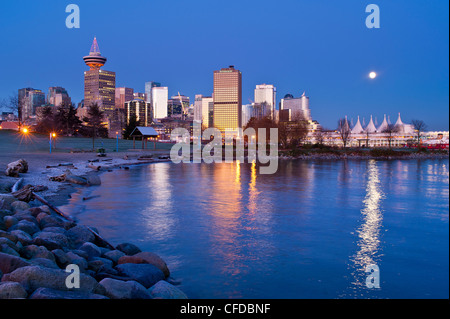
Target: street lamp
(52, 136)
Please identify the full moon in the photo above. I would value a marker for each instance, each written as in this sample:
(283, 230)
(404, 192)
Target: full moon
(372, 75)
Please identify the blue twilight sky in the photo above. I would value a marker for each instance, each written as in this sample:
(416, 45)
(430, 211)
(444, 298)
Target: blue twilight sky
(321, 47)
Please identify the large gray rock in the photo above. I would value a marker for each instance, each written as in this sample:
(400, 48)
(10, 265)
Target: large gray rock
(146, 258)
(114, 255)
(145, 274)
(80, 234)
(12, 290)
(9, 221)
(49, 239)
(51, 221)
(9, 243)
(117, 289)
(91, 250)
(6, 200)
(9, 263)
(23, 237)
(26, 226)
(163, 290)
(8, 250)
(61, 257)
(49, 293)
(44, 263)
(77, 260)
(33, 251)
(18, 206)
(128, 249)
(34, 277)
(11, 237)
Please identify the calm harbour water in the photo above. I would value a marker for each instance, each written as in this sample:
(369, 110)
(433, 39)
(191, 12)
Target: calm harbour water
(307, 231)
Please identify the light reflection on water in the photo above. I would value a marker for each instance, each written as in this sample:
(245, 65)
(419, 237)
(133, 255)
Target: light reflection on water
(307, 231)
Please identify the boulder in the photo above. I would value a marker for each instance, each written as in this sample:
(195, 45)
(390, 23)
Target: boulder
(60, 257)
(163, 290)
(9, 221)
(91, 250)
(18, 206)
(26, 226)
(8, 250)
(6, 200)
(34, 277)
(9, 243)
(33, 251)
(35, 211)
(93, 180)
(49, 293)
(101, 264)
(23, 237)
(145, 274)
(117, 289)
(146, 258)
(14, 168)
(51, 240)
(12, 290)
(44, 263)
(51, 221)
(80, 234)
(114, 255)
(11, 237)
(128, 249)
(77, 260)
(9, 263)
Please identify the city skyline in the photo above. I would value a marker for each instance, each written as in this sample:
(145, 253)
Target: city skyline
(335, 77)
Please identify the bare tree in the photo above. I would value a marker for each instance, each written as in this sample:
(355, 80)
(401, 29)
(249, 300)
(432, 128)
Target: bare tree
(298, 129)
(320, 136)
(419, 126)
(390, 131)
(344, 130)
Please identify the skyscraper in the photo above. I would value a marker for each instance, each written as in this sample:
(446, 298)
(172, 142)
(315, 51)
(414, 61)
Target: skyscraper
(57, 96)
(227, 99)
(29, 99)
(123, 95)
(148, 90)
(141, 110)
(99, 85)
(266, 94)
(299, 106)
(159, 101)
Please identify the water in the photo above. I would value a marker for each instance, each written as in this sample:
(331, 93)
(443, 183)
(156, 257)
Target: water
(308, 231)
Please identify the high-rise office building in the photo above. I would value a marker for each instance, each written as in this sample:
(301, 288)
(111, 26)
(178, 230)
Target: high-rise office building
(160, 97)
(299, 106)
(99, 85)
(141, 110)
(227, 99)
(265, 94)
(140, 96)
(203, 110)
(148, 90)
(29, 99)
(123, 95)
(57, 96)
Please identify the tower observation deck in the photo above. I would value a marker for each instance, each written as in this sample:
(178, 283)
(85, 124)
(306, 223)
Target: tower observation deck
(94, 60)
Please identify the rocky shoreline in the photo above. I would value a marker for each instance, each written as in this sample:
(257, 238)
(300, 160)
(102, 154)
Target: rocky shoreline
(39, 248)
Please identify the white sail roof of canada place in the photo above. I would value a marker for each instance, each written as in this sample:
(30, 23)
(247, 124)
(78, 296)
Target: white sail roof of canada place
(371, 127)
(383, 125)
(357, 129)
